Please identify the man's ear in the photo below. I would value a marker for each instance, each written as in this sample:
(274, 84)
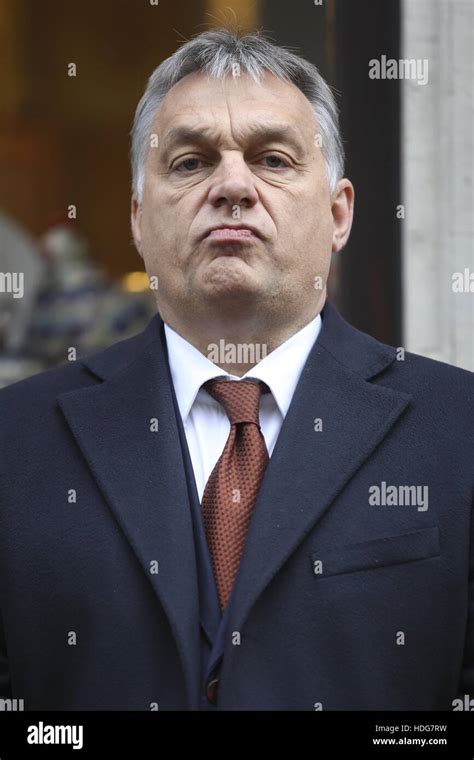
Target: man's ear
(342, 208)
(135, 218)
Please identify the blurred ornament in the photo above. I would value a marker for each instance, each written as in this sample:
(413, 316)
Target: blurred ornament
(79, 306)
(20, 263)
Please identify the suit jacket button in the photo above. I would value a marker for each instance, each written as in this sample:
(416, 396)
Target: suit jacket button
(212, 690)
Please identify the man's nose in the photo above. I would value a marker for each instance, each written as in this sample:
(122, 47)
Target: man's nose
(233, 183)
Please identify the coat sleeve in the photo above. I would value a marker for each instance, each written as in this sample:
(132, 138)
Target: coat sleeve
(5, 684)
(466, 682)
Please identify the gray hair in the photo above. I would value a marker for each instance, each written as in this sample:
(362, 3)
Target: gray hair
(220, 52)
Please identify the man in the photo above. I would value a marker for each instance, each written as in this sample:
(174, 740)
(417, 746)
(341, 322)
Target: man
(251, 505)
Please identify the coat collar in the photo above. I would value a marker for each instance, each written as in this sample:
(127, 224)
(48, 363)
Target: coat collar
(355, 350)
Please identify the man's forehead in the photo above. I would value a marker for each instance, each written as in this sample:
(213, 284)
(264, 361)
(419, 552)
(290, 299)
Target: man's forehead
(258, 130)
(188, 110)
(199, 90)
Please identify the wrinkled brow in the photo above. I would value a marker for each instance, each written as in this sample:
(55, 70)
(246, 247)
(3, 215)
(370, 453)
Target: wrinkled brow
(256, 133)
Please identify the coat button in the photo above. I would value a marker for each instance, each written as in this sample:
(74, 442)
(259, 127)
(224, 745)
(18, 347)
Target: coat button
(212, 690)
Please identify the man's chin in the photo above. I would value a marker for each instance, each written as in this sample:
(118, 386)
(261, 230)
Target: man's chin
(229, 293)
(230, 277)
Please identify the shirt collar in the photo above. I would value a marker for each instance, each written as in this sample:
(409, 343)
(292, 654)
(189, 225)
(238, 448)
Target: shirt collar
(280, 369)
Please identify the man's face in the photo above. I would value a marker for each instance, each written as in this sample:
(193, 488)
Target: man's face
(236, 152)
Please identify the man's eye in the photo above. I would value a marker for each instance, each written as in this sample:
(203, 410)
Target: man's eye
(187, 165)
(273, 162)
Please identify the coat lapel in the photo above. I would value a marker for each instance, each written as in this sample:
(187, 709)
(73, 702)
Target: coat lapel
(141, 475)
(308, 469)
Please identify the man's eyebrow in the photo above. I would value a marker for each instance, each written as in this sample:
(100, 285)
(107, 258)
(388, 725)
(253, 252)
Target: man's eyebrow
(184, 134)
(259, 132)
(278, 133)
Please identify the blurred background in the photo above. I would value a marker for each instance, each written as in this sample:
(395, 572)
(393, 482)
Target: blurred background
(407, 274)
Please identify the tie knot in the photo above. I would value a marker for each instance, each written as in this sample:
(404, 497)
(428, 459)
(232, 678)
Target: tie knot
(240, 398)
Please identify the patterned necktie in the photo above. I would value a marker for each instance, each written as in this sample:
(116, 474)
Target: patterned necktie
(232, 488)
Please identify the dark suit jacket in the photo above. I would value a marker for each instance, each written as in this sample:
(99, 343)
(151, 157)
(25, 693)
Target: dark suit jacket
(339, 603)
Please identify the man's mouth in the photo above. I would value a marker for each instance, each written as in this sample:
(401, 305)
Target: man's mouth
(230, 235)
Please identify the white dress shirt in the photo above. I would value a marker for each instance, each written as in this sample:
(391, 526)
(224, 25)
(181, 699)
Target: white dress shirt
(204, 420)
